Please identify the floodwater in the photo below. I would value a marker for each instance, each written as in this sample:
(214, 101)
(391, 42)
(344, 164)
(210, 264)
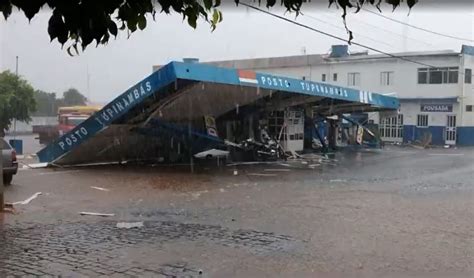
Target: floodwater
(373, 213)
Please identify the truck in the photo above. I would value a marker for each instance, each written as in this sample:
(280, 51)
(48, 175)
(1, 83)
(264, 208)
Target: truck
(68, 118)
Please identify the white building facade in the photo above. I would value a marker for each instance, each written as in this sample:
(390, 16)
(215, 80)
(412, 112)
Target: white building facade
(435, 88)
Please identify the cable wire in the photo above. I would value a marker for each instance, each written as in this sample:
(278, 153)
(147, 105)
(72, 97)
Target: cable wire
(418, 28)
(340, 38)
(334, 36)
(385, 30)
(339, 27)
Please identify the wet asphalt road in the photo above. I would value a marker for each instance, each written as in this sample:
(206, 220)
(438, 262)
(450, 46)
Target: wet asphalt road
(372, 213)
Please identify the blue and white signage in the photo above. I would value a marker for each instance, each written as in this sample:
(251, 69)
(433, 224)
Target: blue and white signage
(436, 108)
(111, 112)
(325, 90)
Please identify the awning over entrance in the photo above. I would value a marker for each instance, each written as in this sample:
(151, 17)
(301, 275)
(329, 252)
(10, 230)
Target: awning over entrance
(183, 92)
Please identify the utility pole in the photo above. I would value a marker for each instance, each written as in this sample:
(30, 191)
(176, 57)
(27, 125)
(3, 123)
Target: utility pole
(88, 85)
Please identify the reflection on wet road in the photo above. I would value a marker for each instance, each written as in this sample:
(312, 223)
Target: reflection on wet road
(397, 210)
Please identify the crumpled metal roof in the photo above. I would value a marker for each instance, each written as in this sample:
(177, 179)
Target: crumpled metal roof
(185, 91)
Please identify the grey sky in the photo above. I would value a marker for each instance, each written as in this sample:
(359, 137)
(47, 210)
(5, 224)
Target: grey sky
(242, 34)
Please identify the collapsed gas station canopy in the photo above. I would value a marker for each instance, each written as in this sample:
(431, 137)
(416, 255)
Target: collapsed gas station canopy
(182, 92)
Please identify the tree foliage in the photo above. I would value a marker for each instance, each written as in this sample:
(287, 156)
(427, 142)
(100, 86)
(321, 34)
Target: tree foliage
(82, 22)
(48, 104)
(73, 97)
(16, 100)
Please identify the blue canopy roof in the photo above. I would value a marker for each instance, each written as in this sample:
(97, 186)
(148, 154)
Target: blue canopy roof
(173, 87)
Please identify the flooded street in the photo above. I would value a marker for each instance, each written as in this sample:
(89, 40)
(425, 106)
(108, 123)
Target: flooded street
(368, 213)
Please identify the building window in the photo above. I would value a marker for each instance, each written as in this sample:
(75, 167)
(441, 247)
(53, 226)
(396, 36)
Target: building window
(453, 75)
(391, 128)
(386, 78)
(334, 77)
(435, 76)
(422, 76)
(438, 75)
(323, 77)
(467, 76)
(468, 108)
(422, 121)
(353, 79)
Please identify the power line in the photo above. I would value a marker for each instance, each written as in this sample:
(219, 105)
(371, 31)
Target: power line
(339, 38)
(418, 28)
(389, 31)
(334, 36)
(339, 27)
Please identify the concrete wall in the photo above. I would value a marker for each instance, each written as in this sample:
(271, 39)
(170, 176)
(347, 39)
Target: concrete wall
(23, 127)
(411, 110)
(468, 92)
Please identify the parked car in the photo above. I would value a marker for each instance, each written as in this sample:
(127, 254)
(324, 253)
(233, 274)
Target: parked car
(9, 161)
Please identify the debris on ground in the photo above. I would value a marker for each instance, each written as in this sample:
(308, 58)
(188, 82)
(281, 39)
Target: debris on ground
(261, 175)
(423, 143)
(197, 194)
(8, 207)
(129, 225)
(25, 202)
(37, 165)
(96, 214)
(9, 210)
(100, 188)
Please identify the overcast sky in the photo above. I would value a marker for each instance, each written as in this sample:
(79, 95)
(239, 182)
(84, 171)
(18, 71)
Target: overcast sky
(242, 34)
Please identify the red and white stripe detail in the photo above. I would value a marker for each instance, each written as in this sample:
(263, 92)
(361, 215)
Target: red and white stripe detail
(247, 76)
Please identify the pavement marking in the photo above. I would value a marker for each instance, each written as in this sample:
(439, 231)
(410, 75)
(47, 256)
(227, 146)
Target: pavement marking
(338, 180)
(447, 154)
(401, 152)
(96, 213)
(128, 225)
(59, 172)
(261, 175)
(277, 170)
(100, 188)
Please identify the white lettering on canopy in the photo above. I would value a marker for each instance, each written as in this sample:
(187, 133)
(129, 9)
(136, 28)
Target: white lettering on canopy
(106, 115)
